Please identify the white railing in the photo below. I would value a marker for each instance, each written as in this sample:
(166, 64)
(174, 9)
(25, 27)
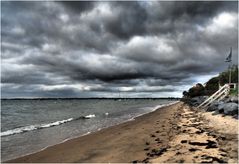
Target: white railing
(219, 95)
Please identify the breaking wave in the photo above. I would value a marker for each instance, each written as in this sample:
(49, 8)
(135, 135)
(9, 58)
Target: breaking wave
(41, 126)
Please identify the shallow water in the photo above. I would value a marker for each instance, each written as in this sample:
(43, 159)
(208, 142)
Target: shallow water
(31, 125)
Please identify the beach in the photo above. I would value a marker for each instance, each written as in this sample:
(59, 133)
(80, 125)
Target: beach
(175, 133)
(90, 81)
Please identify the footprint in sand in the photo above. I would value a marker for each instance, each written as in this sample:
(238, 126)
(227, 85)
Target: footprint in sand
(157, 139)
(193, 149)
(146, 149)
(152, 135)
(184, 141)
(209, 144)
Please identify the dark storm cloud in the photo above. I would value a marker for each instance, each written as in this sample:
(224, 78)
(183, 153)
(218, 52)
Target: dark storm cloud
(172, 17)
(32, 91)
(55, 49)
(195, 9)
(130, 19)
(78, 6)
(148, 89)
(29, 24)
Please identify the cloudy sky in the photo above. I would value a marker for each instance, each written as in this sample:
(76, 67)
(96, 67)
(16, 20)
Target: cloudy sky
(101, 49)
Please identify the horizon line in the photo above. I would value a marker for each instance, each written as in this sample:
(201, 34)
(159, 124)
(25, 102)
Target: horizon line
(28, 98)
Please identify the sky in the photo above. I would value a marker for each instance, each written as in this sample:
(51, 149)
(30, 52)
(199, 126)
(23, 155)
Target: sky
(110, 49)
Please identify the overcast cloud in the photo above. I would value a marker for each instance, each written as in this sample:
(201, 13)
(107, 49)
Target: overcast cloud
(98, 49)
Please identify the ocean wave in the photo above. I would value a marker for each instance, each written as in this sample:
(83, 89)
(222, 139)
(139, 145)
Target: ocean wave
(33, 127)
(86, 117)
(152, 109)
(160, 106)
(41, 126)
(106, 113)
(89, 116)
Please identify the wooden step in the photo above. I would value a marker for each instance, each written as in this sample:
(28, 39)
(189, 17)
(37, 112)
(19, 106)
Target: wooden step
(219, 95)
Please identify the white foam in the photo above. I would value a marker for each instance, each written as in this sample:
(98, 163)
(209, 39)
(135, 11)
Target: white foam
(106, 113)
(154, 109)
(56, 123)
(90, 116)
(40, 126)
(164, 105)
(17, 130)
(33, 127)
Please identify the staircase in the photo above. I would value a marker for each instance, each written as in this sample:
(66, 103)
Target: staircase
(219, 95)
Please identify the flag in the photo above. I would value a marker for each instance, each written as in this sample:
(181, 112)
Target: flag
(229, 58)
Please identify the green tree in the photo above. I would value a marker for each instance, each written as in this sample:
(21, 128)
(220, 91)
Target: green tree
(224, 76)
(197, 90)
(185, 94)
(212, 85)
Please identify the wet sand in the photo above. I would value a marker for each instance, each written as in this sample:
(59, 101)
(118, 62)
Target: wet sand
(176, 133)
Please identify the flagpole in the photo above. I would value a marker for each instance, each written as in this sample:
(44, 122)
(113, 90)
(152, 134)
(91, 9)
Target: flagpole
(229, 60)
(230, 73)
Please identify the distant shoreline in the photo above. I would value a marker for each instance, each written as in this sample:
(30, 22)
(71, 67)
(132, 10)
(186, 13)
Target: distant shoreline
(164, 98)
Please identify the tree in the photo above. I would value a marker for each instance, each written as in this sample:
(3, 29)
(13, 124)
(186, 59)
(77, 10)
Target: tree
(185, 94)
(212, 85)
(197, 90)
(224, 76)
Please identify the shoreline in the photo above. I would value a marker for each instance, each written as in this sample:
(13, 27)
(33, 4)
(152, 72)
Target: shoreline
(130, 121)
(88, 133)
(173, 134)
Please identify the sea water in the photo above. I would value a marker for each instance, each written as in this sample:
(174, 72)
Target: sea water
(28, 126)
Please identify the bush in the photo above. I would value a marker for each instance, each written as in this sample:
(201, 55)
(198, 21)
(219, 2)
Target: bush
(224, 76)
(213, 84)
(197, 90)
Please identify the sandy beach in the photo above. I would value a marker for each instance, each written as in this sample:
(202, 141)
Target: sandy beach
(175, 133)
(137, 81)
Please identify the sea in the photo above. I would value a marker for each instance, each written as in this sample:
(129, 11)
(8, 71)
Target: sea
(31, 125)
